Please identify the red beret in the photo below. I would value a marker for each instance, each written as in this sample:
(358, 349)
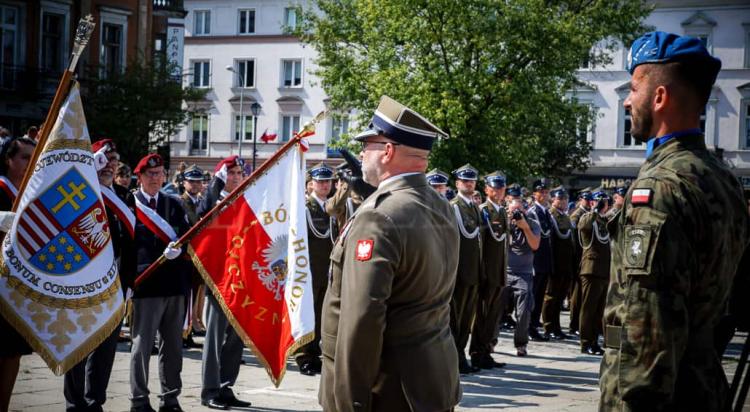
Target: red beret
(151, 160)
(97, 145)
(230, 162)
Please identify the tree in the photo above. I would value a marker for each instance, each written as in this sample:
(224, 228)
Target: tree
(491, 73)
(139, 109)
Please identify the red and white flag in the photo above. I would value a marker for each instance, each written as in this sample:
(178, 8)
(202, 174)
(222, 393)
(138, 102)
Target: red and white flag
(254, 257)
(267, 136)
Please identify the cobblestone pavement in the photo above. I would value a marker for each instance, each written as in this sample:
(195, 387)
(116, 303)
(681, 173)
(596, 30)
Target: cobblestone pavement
(554, 377)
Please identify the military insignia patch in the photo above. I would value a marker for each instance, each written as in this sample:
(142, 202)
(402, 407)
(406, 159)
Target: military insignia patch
(364, 249)
(641, 196)
(637, 240)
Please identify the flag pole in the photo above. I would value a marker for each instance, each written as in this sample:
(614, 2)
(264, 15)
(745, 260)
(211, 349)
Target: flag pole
(237, 192)
(83, 34)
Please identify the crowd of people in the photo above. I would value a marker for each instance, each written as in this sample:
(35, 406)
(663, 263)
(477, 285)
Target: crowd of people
(410, 275)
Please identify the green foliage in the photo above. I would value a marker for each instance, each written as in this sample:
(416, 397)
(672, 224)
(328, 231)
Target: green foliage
(139, 109)
(492, 73)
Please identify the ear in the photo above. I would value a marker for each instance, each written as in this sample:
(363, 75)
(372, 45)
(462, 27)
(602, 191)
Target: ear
(662, 98)
(390, 152)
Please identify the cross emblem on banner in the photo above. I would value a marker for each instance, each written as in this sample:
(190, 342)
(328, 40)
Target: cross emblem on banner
(69, 197)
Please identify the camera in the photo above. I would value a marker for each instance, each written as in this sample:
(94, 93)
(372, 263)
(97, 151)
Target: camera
(517, 215)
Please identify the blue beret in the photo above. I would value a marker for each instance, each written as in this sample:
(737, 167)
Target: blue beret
(660, 47)
(437, 177)
(321, 172)
(514, 190)
(466, 172)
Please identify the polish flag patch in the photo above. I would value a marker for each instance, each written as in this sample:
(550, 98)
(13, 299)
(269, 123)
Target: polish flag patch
(364, 249)
(641, 196)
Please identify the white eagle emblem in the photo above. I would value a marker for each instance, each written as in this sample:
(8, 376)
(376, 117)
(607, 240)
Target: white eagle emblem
(635, 247)
(93, 230)
(273, 276)
(364, 249)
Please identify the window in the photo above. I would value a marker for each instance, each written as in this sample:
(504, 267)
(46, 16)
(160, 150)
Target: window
(746, 122)
(292, 73)
(201, 73)
(290, 18)
(249, 123)
(199, 143)
(52, 40)
(339, 125)
(112, 49)
(628, 140)
(289, 126)
(246, 24)
(202, 22)
(8, 45)
(245, 73)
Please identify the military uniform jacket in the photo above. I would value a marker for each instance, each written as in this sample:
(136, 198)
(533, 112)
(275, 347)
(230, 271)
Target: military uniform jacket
(387, 309)
(342, 205)
(594, 241)
(676, 246)
(543, 254)
(470, 251)
(172, 278)
(563, 244)
(494, 244)
(576, 216)
(191, 208)
(319, 235)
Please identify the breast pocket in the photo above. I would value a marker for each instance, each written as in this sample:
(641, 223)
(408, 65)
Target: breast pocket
(335, 269)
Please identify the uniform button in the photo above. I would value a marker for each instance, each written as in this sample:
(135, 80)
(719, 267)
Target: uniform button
(357, 404)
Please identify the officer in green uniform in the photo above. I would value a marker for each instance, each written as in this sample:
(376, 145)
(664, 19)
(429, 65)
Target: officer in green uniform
(439, 181)
(676, 243)
(584, 206)
(319, 236)
(386, 338)
(494, 245)
(593, 238)
(563, 251)
(618, 199)
(468, 274)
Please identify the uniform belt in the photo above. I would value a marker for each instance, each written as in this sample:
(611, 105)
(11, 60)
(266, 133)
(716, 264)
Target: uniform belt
(612, 336)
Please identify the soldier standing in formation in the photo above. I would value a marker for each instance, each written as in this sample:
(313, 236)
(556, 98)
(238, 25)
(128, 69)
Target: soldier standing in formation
(563, 253)
(489, 303)
(584, 206)
(594, 241)
(543, 265)
(320, 230)
(386, 339)
(192, 182)
(439, 181)
(468, 273)
(676, 243)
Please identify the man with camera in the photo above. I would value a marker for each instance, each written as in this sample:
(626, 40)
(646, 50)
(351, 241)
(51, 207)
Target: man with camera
(525, 236)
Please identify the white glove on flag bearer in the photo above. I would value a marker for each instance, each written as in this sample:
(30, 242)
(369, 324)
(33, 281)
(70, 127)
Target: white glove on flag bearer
(254, 257)
(62, 292)
(172, 252)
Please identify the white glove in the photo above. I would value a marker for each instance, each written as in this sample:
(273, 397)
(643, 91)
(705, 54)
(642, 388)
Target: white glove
(222, 174)
(100, 158)
(6, 221)
(172, 251)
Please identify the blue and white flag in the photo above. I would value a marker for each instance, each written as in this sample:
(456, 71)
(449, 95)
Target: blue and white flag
(60, 288)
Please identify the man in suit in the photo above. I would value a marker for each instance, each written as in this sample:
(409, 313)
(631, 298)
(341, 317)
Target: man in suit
(543, 267)
(468, 273)
(222, 347)
(386, 339)
(319, 236)
(489, 303)
(85, 385)
(159, 301)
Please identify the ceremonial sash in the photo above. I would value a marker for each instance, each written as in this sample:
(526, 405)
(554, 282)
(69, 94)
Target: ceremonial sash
(120, 209)
(155, 223)
(8, 188)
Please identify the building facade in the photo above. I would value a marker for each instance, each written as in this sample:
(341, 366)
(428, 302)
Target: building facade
(724, 26)
(37, 40)
(259, 82)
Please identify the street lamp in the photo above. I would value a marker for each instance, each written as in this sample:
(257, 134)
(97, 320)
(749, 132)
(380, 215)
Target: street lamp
(242, 118)
(255, 109)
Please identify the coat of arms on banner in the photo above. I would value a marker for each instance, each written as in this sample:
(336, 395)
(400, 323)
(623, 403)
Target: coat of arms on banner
(65, 227)
(273, 276)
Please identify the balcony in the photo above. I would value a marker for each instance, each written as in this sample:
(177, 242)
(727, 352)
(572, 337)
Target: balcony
(169, 5)
(28, 82)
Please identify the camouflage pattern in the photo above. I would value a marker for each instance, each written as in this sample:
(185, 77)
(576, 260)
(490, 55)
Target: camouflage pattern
(673, 261)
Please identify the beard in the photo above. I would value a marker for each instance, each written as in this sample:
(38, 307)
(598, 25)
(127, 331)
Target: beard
(370, 173)
(642, 120)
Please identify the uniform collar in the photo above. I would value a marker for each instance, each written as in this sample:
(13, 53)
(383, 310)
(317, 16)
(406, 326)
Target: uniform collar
(468, 201)
(322, 203)
(149, 197)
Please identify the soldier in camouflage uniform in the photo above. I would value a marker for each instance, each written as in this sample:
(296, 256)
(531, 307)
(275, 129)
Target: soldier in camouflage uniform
(676, 243)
